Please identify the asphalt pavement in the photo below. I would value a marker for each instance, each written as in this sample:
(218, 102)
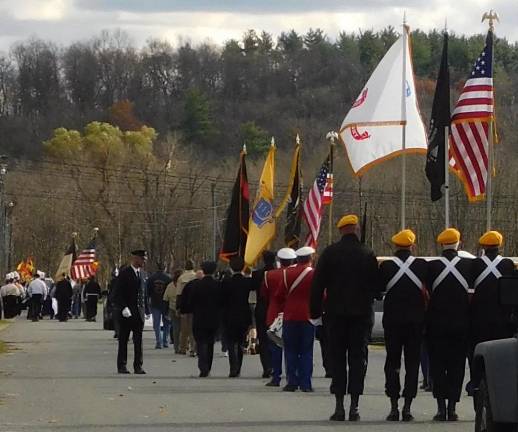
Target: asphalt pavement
(62, 377)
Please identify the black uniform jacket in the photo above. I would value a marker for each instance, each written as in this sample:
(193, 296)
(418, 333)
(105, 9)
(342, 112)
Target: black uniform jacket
(205, 303)
(92, 287)
(405, 301)
(127, 293)
(488, 319)
(348, 272)
(448, 311)
(156, 285)
(236, 310)
(63, 290)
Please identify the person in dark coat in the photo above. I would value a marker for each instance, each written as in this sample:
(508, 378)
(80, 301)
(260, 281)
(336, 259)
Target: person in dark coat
(63, 295)
(347, 272)
(403, 278)
(236, 314)
(204, 302)
(156, 285)
(112, 297)
(131, 299)
(91, 294)
(260, 313)
(447, 323)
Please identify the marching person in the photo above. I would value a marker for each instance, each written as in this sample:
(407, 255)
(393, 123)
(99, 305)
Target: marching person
(156, 286)
(298, 333)
(403, 278)
(236, 314)
(187, 344)
(447, 324)
(91, 292)
(63, 296)
(174, 314)
(204, 302)
(10, 295)
(260, 313)
(131, 299)
(37, 291)
(347, 272)
(273, 280)
(489, 321)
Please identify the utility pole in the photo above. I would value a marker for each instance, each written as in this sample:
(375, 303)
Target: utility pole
(3, 216)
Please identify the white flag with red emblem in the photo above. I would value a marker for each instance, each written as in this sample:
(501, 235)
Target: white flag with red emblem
(372, 129)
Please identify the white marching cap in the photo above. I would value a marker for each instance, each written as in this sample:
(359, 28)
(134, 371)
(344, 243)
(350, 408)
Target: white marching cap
(9, 276)
(286, 254)
(305, 251)
(16, 275)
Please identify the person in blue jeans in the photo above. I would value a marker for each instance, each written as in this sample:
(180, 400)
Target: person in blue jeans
(156, 286)
(298, 333)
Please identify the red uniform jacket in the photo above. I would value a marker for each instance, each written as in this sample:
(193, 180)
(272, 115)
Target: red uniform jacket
(296, 303)
(273, 279)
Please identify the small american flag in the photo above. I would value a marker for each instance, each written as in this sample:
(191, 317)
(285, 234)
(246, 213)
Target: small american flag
(83, 267)
(470, 124)
(328, 190)
(313, 205)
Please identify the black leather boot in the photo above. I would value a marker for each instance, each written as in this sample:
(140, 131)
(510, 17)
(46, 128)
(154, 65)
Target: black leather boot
(452, 415)
(406, 414)
(339, 414)
(354, 413)
(394, 410)
(441, 410)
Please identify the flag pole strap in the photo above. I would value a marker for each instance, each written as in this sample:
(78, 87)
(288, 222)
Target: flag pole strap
(446, 177)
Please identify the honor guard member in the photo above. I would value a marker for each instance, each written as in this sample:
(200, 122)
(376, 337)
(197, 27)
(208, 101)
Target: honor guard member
(273, 280)
(488, 320)
(130, 297)
(447, 326)
(403, 278)
(298, 333)
(347, 272)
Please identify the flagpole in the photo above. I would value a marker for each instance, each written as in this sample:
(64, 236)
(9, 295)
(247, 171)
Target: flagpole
(447, 176)
(331, 136)
(404, 120)
(491, 16)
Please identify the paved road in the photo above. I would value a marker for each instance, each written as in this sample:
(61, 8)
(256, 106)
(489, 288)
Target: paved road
(60, 377)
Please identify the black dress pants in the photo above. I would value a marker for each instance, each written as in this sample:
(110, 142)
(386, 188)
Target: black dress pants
(348, 348)
(36, 304)
(235, 339)
(91, 306)
(322, 334)
(10, 306)
(205, 338)
(264, 346)
(130, 325)
(447, 364)
(404, 338)
(63, 308)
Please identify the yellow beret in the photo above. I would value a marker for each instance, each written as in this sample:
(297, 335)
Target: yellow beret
(404, 238)
(491, 238)
(449, 236)
(347, 220)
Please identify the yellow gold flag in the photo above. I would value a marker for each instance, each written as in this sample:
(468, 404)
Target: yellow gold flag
(261, 228)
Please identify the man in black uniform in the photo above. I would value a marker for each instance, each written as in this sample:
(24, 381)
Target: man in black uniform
(63, 296)
(260, 313)
(348, 272)
(130, 297)
(236, 314)
(403, 278)
(447, 327)
(204, 302)
(92, 292)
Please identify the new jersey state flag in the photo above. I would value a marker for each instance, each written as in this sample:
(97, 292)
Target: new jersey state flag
(261, 227)
(372, 129)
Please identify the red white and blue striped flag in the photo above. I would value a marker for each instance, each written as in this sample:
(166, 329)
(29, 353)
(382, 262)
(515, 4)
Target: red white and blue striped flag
(321, 192)
(84, 266)
(470, 125)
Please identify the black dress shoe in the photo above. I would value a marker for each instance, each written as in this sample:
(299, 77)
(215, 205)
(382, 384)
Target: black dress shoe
(123, 371)
(452, 416)
(272, 384)
(407, 416)
(289, 388)
(354, 415)
(307, 390)
(233, 375)
(267, 374)
(204, 374)
(338, 416)
(393, 415)
(140, 372)
(440, 416)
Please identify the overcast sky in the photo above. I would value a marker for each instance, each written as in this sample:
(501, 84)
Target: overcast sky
(63, 21)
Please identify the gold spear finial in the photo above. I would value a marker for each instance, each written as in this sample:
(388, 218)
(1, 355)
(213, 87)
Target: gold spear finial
(273, 142)
(491, 16)
(297, 139)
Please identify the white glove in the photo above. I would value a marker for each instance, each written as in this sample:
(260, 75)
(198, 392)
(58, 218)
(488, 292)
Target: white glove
(316, 322)
(126, 312)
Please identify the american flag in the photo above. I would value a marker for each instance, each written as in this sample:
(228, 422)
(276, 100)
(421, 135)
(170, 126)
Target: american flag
(470, 124)
(328, 190)
(84, 267)
(313, 205)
